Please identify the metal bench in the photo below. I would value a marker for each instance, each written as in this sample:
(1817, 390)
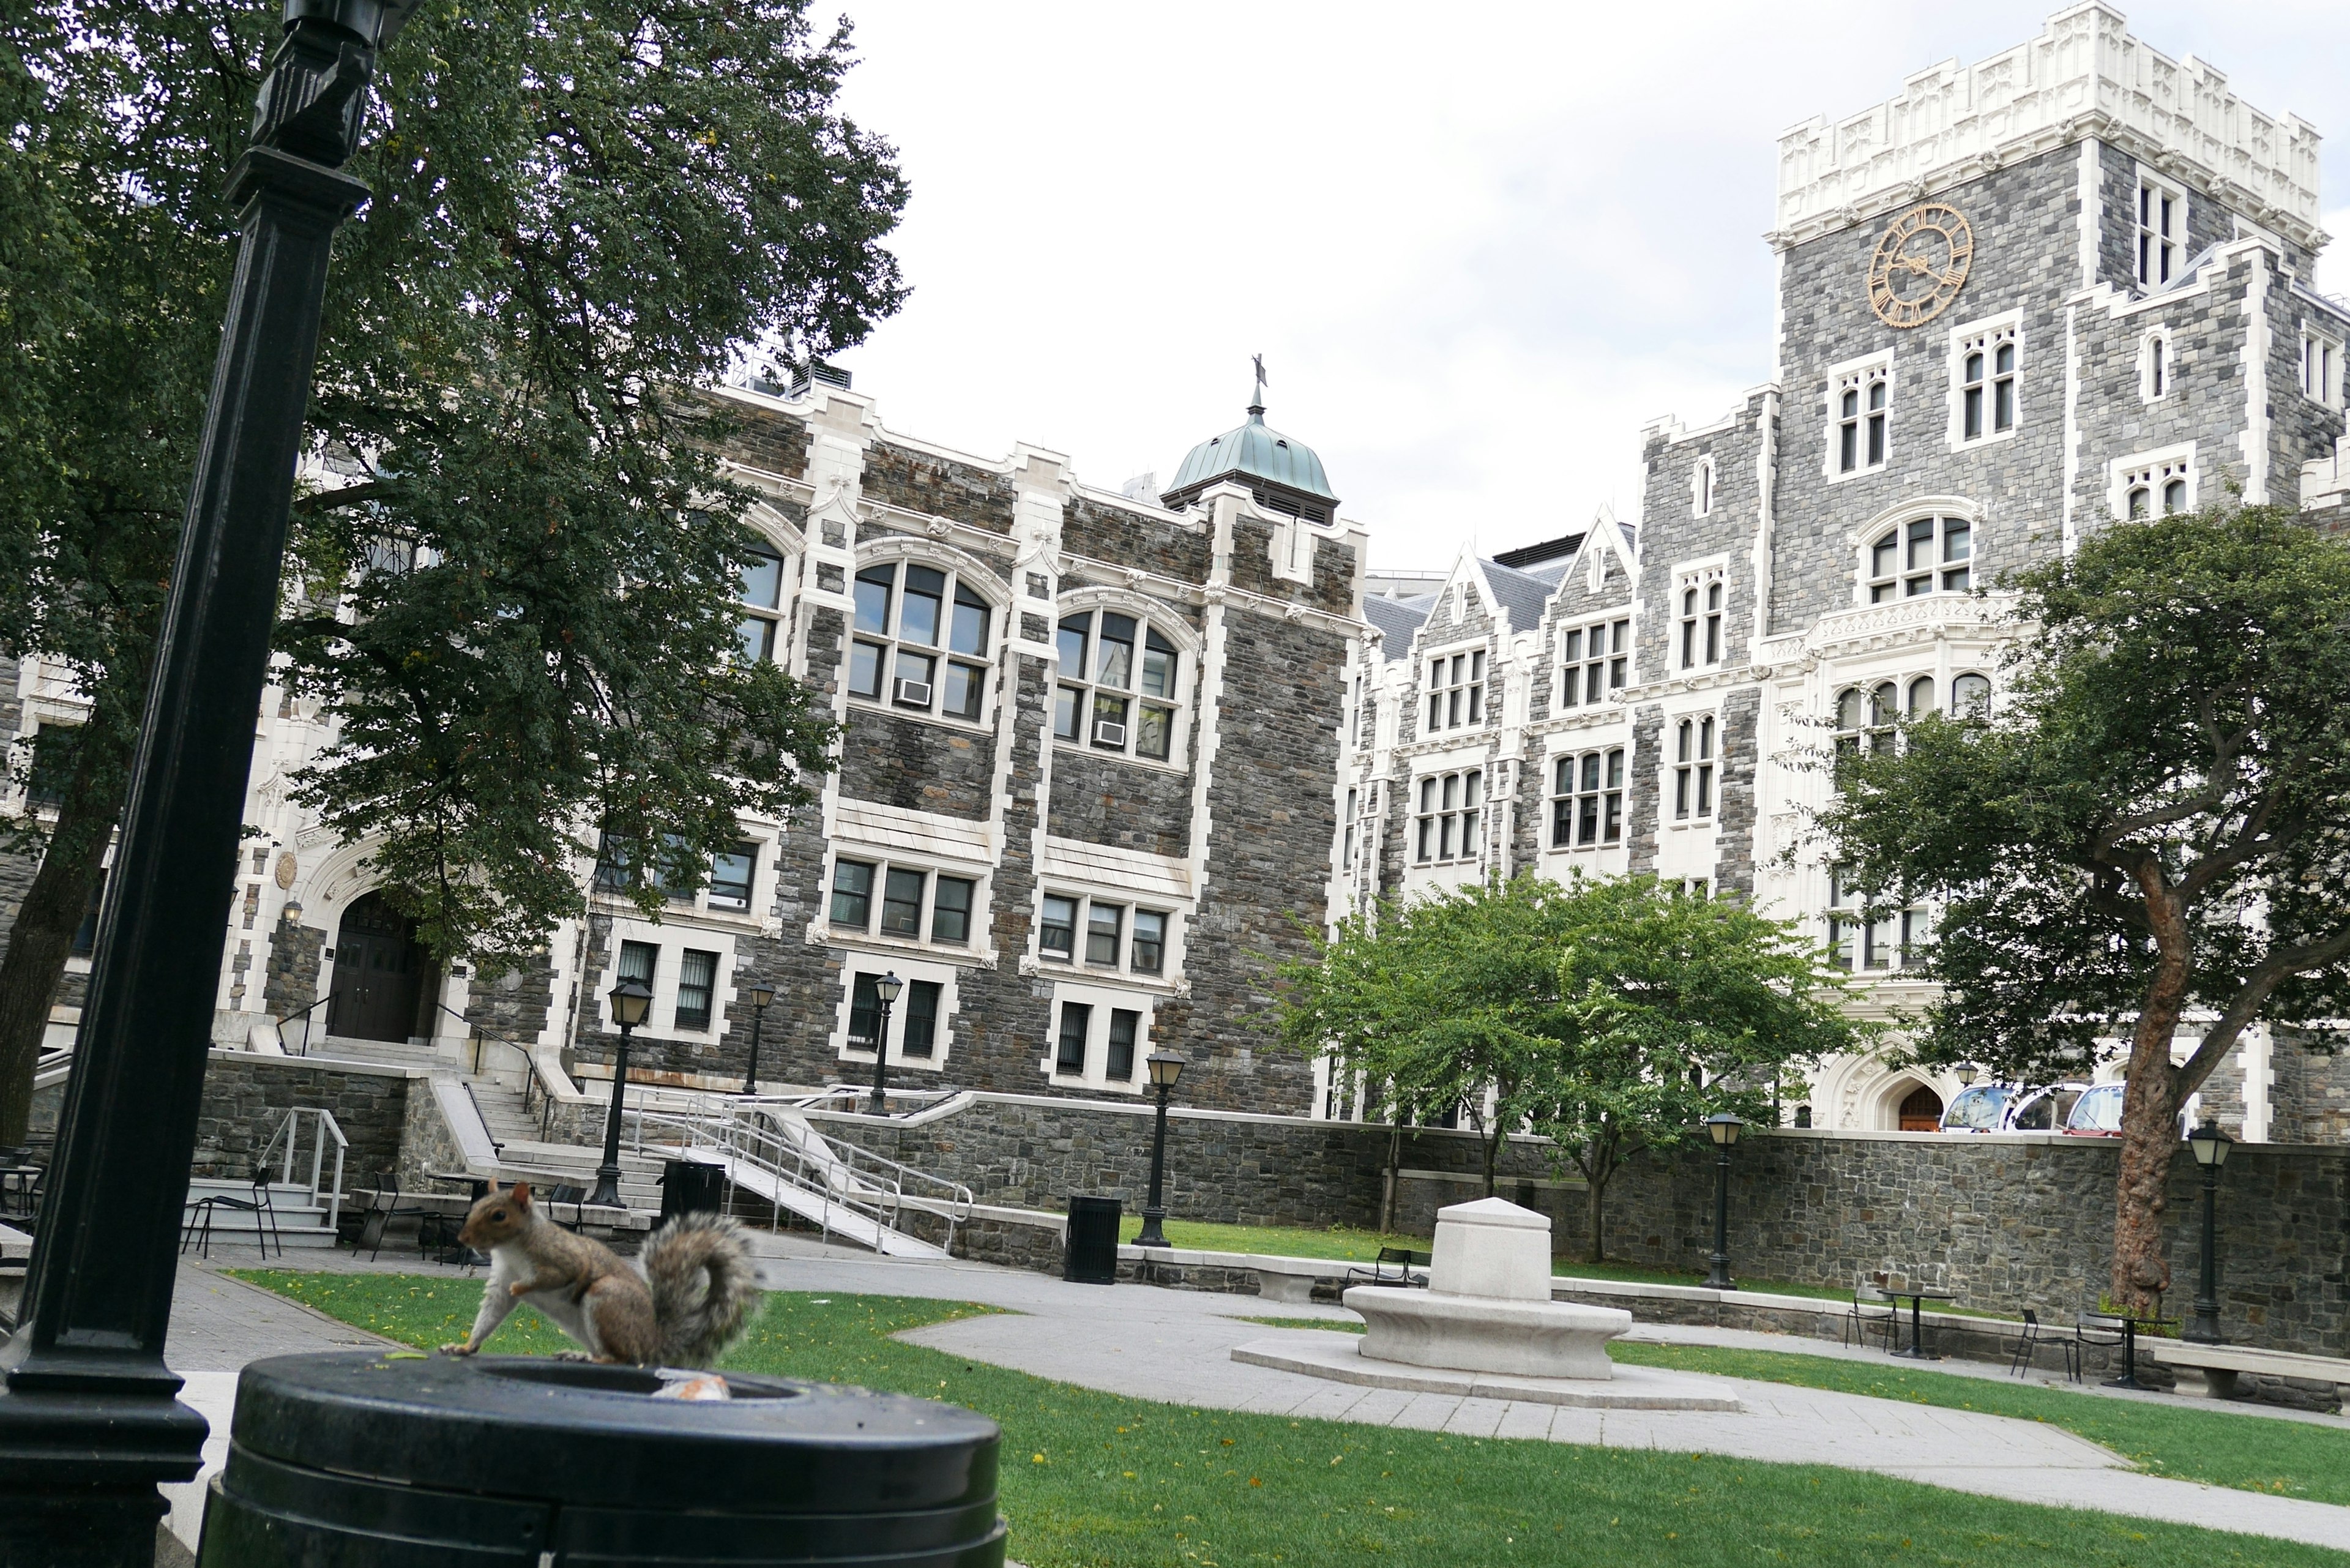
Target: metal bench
(1401, 1260)
(2218, 1367)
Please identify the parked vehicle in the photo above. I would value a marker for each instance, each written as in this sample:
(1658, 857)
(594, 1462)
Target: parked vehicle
(2098, 1113)
(2012, 1107)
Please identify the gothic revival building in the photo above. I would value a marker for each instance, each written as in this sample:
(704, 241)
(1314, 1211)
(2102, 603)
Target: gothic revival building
(2043, 294)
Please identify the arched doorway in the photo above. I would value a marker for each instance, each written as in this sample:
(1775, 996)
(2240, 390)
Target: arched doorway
(1921, 1111)
(379, 973)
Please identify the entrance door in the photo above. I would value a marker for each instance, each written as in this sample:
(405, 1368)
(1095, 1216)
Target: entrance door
(1922, 1111)
(379, 973)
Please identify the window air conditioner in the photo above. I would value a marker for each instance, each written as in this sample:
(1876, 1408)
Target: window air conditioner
(913, 693)
(1106, 733)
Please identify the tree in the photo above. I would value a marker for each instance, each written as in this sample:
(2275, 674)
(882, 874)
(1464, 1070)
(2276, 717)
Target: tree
(2156, 818)
(517, 587)
(1611, 1015)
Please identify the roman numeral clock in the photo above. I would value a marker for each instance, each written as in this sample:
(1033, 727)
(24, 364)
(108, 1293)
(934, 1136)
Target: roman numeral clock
(1919, 265)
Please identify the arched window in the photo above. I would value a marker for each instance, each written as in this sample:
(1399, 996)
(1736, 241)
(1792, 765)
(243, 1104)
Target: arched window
(1970, 696)
(1923, 555)
(1867, 718)
(1119, 687)
(762, 595)
(1921, 697)
(2154, 366)
(1693, 769)
(921, 639)
(1701, 487)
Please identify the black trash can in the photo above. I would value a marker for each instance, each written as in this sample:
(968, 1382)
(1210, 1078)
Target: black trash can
(1090, 1255)
(503, 1461)
(690, 1187)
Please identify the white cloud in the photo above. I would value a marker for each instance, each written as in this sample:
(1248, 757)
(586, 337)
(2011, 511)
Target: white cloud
(1477, 245)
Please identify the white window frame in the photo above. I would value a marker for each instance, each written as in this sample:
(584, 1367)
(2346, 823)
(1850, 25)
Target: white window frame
(1444, 799)
(1611, 669)
(1702, 479)
(2156, 470)
(1103, 1000)
(1696, 767)
(1987, 337)
(773, 616)
(1086, 690)
(2158, 364)
(2321, 366)
(1077, 962)
(1898, 530)
(1865, 940)
(975, 944)
(761, 897)
(671, 943)
(1460, 700)
(1701, 616)
(1607, 770)
(895, 695)
(1858, 376)
(847, 1048)
(2158, 250)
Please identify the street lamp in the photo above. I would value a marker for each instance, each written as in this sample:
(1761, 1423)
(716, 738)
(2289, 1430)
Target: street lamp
(1967, 1074)
(1166, 1066)
(2210, 1146)
(1723, 1128)
(887, 988)
(631, 999)
(759, 995)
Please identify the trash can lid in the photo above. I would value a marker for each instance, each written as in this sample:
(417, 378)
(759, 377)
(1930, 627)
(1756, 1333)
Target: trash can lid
(581, 1434)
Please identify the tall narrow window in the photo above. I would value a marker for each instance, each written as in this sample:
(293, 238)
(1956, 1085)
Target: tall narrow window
(1346, 835)
(864, 1013)
(2321, 378)
(1713, 595)
(1456, 690)
(1058, 935)
(1848, 432)
(920, 640)
(921, 1032)
(1970, 696)
(1987, 371)
(2154, 366)
(1586, 808)
(762, 595)
(637, 961)
(1127, 698)
(1693, 769)
(697, 981)
(1148, 952)
(1862, 407)
(852, 895)
(950, 911)
(1105, 924)
(1701, 487)
(1877, 414)
(1124, 1028)
(901, 902)
(2161, 232)
(1076, 1021)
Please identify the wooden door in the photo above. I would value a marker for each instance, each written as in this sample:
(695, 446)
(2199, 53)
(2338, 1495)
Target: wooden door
(379, 973)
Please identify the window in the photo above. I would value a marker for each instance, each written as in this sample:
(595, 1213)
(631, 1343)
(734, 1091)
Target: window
(1866, 719)
(697, 981)
(1587, 807)
(1598, 662)
(865, 1013)
(922, 640)
(2321, 370)
(1863, 939)
(2161, 230)
(2155, 486)
(762, 596)
(637, 960)
(1701, 488)
(1970, 696)
(85, 937)
(1921, 697)
(1456, 690)
(901, 902)
(1117, 935)
(1346, 835)
(950, 911)
(920, 1038)
(2154, 366)
(51, 772)
(852, 895)
(1125, 1026)
(1069, 1056)
(1116, 703)
(1448, 809)
(1923, 555)
(1986, 368)
(730, 876)
(1863, 411)
(1693, 769)
(1701, 619)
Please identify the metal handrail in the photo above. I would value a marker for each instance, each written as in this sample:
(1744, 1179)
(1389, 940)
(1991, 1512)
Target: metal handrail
(497, 1149)
(305, 1016)
(288, 1134)
(530, 1082)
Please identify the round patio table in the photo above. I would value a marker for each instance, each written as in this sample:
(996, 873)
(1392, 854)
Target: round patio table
(1917, 1300)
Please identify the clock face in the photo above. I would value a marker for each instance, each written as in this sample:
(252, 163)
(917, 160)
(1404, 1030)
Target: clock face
(1919, 265)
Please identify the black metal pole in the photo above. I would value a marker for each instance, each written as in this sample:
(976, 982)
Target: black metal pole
(89, 1419)
(1154, 1210)
(2205, 1328)
(751, 1074)
(1720, 1279)
(880, 1105)
(608, 1175)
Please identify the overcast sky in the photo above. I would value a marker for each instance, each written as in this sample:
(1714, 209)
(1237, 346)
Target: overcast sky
(1478, 245)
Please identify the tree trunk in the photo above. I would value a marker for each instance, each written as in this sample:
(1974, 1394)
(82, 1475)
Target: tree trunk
(1594, 1191)
(1493, 1155)
(42, 937)
(2150, 1131)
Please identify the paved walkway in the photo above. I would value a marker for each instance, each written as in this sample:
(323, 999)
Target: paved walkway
(1176, 1346)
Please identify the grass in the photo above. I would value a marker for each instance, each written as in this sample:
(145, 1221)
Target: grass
(1098, 1480)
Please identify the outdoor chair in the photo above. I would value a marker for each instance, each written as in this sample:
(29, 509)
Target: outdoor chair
(383, 1207)
(564, 1192)
(198, 1225)
(1401, 1260)
(2090, 1329)
(2028, 1344)
(1871, 1312)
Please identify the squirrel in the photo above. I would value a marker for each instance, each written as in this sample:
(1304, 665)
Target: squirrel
(691, 1301)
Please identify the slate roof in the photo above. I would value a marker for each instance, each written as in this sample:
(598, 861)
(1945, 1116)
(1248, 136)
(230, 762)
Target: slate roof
(1398, 621)
(1523, 594)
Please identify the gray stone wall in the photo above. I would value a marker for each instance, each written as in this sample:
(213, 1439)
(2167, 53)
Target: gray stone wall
(937, 486)
(247, 1097)
(918, 766)
(290, 977)
(1108, 800)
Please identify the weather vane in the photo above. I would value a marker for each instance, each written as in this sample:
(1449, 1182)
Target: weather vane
(1258, 359)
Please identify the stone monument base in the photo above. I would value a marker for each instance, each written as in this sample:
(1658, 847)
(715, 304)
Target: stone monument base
(1486, 1333)
(1339, 1358)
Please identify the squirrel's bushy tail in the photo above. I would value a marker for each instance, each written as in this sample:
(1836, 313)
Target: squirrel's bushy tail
(703, 1285)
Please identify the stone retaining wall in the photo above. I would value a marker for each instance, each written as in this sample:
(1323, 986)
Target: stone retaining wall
(247, 1096)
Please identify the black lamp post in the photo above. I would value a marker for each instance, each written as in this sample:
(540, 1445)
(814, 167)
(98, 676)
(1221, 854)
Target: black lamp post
(1723, 1128)
(2210, 1146)
(631, 999)
(760, 995)
(887, 988)
(89, 1421)
(1165, 1066)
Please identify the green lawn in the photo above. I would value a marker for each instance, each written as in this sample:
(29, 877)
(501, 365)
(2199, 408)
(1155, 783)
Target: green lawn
(1097, 1480)
(2290, 1459)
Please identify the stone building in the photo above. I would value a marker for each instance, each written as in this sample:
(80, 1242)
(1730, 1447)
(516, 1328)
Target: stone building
(2063, 288)
(1088, 787)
